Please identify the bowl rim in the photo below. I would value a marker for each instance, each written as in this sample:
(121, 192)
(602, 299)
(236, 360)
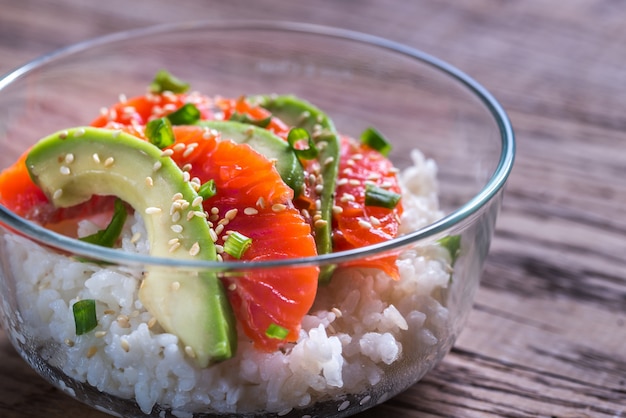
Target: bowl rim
(493, 186)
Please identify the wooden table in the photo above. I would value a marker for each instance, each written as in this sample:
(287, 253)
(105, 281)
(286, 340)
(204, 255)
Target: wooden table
(546, 337)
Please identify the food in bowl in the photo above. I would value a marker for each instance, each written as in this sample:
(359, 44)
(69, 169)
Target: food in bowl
(178, 173)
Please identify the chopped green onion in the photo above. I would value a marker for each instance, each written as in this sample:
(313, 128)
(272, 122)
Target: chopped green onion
(237, 244)
(300, 134)
(243, 118)
(159, 132)
(377, 196)
(188, 114)
(374, 139)
(165, 81)
(453, 244)
(85, 316)
(276, 331)
(108, 237)
(207, 190)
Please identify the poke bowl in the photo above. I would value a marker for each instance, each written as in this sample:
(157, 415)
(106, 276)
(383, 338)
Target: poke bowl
(243, 218)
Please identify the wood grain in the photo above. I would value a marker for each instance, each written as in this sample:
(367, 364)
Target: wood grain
(547, 332)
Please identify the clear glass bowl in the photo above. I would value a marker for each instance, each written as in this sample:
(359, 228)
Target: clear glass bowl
(416, 100)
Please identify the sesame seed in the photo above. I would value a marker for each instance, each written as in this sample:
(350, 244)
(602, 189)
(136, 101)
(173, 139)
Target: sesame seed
(219, 248)
(347, 197)
(189, 150)
(152, 322)
(354, 182)
(350, 162)
(69, 158)
(79, 132)
(174, 247)
(153, 210)
(329, 160)
(195, 249)
(337, 209)
(319, 188)
(365, 224)
(215, 211)
(187, 167)
(219, 228)
(135, 238)
(124, 344)
(167, 153)
(157, 165)
(176, 217)
(189, 351)
(343, 406)
(175, 286)
(320, 223)
(173, 241)
(230, 215)
(177, 228)
(250, 211)
(190, 215)
(342, 181)
(65, 170)
(149, 181)
(278, 207)
(92, 351)
(109, 312)
(261, 202)
(122, 320)
(213, 235)
(232, 287)
(374, 221)
(199, 214)
(357, 156)
(348, 171)
(57, 194)
(179, 146)
(365, 400)
(99, 334)
(69, 342)
(318, 204)
(186, 176)
(337, 312)
(219, 257)
(177, 196)
(96, 158)
(109, 162)
(197, 201)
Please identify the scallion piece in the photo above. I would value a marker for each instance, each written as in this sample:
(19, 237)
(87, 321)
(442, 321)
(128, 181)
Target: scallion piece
(297, 135)
(165, 81)
(276, 331)
(85, 316)
(243, 118)
(375, 140)
(159, 132)
(237, 244)
(452, 243)
(377, 196)
(187, 114)
(207, 189)
(108, 237)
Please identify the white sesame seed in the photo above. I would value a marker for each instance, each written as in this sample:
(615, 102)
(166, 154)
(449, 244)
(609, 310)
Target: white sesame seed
(261, 202)
(177, 196)
(320, 223)
(177, 228)
(152, 322)
(175, 286)
(357, 156)
(69, 158)
(337, 209)
(232, 287)
(319, 188)
(250, 211)
(219, 229)
(65, 170)
(174, 247)
(153, 210)
(190, 215)
(213, 235)
(365, 224)
(215, 211)
(96, 158)
(189, 150)
(354, 182)
(219, 257)
(200, 214)
(157, 165)
(318, 204)
(57, 194)
(219, 248)
(374, 221)
(187, 167)
(173, 241)
(124, 344)
(109, 162)
(337, 312)
(190, 352)
(79, 132)
(117, 132)
(329, 160)
(167, 153)
(176, 216)
(197, 202)
(135, 238)
(100, 334)
(230, 215)
(195, 249)
(186, 176)
(347, 197)
(342, 181)
(179, 146)
(149, 181)
(278, 207)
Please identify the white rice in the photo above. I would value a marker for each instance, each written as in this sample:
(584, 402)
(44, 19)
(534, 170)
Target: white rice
(361, 324)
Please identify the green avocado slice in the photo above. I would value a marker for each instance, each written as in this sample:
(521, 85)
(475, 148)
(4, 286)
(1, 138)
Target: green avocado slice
(302, 114)
(72, 165)
(266, 143)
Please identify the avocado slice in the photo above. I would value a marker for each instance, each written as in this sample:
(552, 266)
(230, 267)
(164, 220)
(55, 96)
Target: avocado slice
(266, 143)
(72, 165)
(302, 114)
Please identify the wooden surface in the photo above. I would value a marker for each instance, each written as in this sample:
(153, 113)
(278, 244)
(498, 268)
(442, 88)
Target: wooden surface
(546, 337)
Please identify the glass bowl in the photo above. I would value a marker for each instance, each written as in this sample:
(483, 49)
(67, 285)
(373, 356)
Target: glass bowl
(367, 337)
